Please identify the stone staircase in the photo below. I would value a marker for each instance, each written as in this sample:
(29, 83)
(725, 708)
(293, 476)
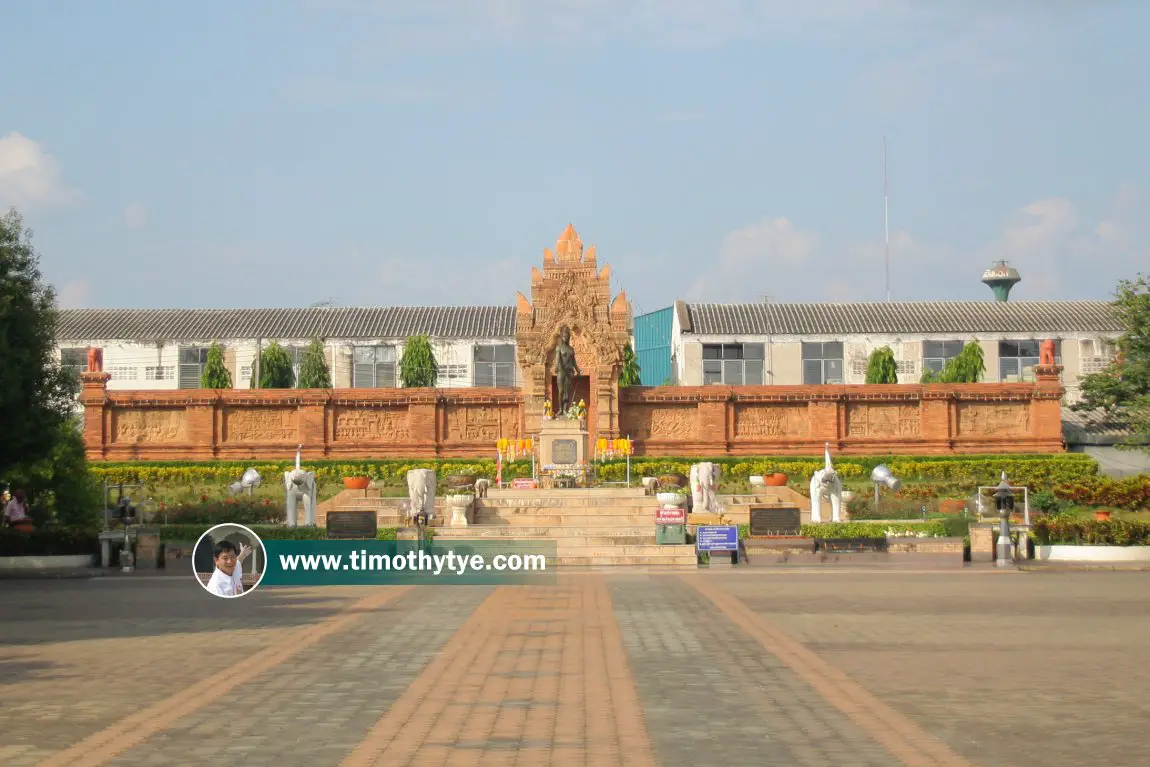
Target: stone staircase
(592, 527)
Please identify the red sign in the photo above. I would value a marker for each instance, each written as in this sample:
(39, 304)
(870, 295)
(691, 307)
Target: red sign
(671, 515)
(524, 484)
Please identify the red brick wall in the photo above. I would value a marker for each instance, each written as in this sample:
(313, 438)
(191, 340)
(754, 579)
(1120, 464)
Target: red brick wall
(680, 421)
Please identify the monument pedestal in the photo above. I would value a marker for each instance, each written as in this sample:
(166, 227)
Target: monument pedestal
(562, 447)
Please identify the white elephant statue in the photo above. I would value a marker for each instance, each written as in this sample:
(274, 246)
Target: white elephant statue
(481, 487)
(421, 493)
(826, 485)
(650, 485)
(300, 485)
(704, 488)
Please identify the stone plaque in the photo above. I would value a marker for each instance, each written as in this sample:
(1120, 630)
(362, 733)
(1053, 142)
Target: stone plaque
(351, 524)
(564, 452)
(883, 420)
(151, 425)
(770, 520)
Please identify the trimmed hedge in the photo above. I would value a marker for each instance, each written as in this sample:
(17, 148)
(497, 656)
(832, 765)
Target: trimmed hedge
(1049, 531)
(192, 533)
(1033, 470)
(1125, 493)
(48, 542)
(930, 529)
(935, 528)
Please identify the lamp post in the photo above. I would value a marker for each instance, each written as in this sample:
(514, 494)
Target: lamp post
(1004, 501)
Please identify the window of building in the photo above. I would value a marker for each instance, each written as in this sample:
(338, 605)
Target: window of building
(160, 373)
(1017, 359)
(296, 354)
(74, 360)
(495, 365)
(733, 364)
(822, 362)
(452, 375)
(935, 354)
(192, 361)
(124, 373)
(373, 367)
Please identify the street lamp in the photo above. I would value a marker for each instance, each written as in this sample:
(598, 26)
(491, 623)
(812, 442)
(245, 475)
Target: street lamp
(1004, 501)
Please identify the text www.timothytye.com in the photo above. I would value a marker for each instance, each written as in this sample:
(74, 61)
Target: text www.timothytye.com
(413, 561)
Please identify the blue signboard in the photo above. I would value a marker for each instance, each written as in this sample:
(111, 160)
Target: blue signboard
(716, 538)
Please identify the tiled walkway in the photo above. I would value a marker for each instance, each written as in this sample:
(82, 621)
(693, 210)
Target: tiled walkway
(737, 668)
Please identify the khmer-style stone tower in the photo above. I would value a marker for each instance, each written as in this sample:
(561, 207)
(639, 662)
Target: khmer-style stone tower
(572, 290)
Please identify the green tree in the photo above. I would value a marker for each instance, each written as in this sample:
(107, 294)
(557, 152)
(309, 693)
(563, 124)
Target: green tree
(215, 375)
(313, 372)
(1122, 390)
(41, 450)
(275, 368)
(630, 374)
(881, 367)
(417, 366)
(968, 367)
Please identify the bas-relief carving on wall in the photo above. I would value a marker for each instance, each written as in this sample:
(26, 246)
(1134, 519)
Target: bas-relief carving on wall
(986, 419)
(166, 425)
(263, 424)
(885, 419)
(485, 423)
(374, 425)
(772, 421)
(660, 422)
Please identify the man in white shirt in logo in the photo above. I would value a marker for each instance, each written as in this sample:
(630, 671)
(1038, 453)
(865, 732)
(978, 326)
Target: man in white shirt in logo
(227, 580)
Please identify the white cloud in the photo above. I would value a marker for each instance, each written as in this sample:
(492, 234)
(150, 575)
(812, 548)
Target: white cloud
(750, 257)
(134, 216)
(1059, 252)
(29, 176)
(73, 295)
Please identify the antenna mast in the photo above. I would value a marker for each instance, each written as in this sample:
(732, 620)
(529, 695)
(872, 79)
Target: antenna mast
(886, 218)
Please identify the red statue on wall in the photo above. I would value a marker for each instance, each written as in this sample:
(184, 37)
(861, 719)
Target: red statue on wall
(1046, 352)
(95, 359)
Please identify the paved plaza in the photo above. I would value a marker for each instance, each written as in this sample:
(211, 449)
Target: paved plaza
(737, 667)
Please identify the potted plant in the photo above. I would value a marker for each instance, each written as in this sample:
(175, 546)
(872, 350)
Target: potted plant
(776, 479)
(672, 480)
(1102, 515)
(357, 483)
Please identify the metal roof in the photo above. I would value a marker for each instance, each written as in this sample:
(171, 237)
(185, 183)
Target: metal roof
(291, 323)
(927, 317)
(1096, 427)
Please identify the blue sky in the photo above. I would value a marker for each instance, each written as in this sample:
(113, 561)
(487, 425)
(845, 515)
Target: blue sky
(376, 152)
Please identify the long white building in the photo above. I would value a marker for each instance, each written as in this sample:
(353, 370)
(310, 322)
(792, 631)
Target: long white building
(167, 348)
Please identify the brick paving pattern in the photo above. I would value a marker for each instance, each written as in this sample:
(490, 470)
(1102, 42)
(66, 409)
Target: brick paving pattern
(323, 700)
(710, 692)
(737, 667)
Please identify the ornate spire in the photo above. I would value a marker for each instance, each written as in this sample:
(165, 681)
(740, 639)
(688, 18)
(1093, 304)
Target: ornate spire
(569, 247)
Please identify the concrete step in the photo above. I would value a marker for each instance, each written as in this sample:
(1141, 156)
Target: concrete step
(574, 492)
(684, 561)
(567, 520)
(528, 531)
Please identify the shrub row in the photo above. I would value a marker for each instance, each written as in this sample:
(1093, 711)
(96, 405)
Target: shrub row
(48, 542)
(930, 529)
(1124, 493)
(1114, 532)
(1033, 470)
(192, 533)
